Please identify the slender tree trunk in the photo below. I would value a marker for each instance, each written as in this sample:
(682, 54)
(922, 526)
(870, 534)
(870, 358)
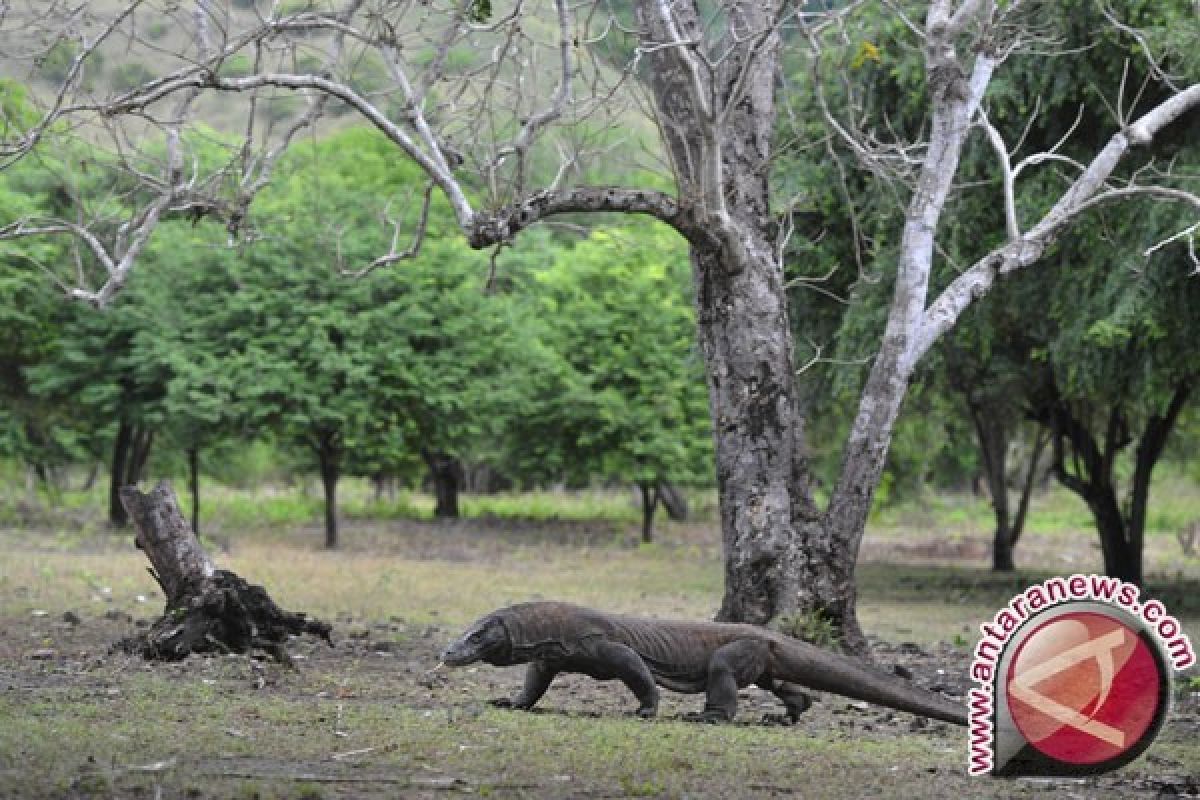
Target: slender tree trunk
(446, 474)
(1040, 438)
(139, 454)
(992, 435)
(674, 501)
(90, 480)
(329, 459)
(649, 493)
(118, 517)
(193, 458)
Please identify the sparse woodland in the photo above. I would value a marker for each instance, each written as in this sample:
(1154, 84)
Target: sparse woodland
(820, 259)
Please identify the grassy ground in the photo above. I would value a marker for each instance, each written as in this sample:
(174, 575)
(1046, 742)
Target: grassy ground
(367, 719)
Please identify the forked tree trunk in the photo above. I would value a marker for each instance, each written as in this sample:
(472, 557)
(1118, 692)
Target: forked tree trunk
(208, 610)
(1090, 471)
(741, 300)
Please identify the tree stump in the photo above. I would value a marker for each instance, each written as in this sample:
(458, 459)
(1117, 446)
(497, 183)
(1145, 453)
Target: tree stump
(208, 610)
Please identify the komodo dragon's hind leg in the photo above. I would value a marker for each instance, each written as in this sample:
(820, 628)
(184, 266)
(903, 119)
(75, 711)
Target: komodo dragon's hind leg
(794, 698)
(731, 667)
(538, 676)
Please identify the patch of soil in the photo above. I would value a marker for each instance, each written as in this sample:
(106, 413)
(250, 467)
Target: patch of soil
(384, 664)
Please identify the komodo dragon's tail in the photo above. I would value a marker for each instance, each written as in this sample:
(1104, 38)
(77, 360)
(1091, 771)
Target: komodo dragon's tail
(810, 666)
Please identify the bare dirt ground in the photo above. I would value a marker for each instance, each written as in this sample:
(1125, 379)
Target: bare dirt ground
(366, 718)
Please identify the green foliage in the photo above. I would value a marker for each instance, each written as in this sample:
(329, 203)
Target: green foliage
(238, 65)
(573, 363)
(283, 107)
(814, 626)
(17, 114)
(129, 75)
(379, 367)
(56, 63)
(288, 7)
(156, 29)
(480, 11)
(619, 393)
(849, 218)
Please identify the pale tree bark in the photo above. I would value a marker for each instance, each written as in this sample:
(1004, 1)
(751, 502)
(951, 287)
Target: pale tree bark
(955, 91)
(710, 85)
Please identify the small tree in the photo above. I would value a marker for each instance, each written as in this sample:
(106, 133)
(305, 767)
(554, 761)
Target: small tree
(1117, 377)
(632, 404)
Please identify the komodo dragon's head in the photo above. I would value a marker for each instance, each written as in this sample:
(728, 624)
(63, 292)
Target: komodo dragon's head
(486, 640)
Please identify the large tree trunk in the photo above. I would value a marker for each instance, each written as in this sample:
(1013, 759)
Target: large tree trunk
(741, 306)
(761, 480)
(208, 610)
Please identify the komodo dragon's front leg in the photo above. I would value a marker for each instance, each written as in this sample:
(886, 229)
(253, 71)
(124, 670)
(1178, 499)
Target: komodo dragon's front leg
(602, 660)
(538, 676)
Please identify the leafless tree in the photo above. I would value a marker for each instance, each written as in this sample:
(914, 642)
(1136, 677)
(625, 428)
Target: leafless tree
(502, 103)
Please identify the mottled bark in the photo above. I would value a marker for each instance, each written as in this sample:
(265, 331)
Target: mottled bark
(717, 126)
(178, 562)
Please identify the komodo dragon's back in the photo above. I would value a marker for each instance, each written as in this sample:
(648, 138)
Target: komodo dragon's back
(676, 651)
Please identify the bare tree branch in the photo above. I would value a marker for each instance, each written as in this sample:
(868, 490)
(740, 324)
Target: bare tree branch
(1084, 193)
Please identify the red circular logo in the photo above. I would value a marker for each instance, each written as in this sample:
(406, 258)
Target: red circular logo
(1085, 688)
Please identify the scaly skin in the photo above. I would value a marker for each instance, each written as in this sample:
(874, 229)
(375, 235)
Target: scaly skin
(712, 657)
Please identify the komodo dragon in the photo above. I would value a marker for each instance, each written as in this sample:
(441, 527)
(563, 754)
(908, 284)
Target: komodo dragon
(712, 657)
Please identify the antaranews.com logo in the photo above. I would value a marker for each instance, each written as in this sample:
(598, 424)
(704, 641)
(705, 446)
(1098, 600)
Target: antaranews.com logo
(1074, 678)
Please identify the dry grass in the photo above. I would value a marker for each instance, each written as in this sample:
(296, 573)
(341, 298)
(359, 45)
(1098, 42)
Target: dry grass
(363, 720)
